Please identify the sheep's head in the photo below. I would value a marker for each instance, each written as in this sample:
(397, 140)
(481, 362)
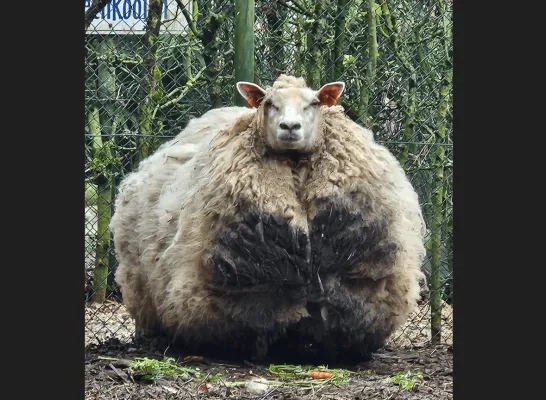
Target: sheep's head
(291, 110)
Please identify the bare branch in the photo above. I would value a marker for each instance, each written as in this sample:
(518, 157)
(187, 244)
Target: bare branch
(189, 19)
(299, 6)
(296, 8)
(92, 11)
(189, 84)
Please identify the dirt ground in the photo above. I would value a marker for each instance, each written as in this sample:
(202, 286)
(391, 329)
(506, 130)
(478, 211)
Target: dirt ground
(109, 350)
(108, 376)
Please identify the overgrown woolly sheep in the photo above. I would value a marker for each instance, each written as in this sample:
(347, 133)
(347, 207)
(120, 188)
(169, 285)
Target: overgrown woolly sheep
(260, 226)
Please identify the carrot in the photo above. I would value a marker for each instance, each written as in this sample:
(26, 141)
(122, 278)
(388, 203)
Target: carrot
(320, 374)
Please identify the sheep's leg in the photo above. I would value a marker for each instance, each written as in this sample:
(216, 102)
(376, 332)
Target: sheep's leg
(137, 301)
(147, 327)
(147, 323)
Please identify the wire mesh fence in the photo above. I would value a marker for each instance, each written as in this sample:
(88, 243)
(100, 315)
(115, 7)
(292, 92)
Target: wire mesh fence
(151, 65)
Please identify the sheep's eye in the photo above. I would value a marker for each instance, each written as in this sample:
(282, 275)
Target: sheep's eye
(269, 104)
(314, 103)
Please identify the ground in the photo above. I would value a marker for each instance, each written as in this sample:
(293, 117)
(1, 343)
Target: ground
(107, 376)
(110, 350)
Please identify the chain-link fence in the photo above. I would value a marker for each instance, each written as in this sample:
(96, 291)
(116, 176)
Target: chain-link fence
(151, 65)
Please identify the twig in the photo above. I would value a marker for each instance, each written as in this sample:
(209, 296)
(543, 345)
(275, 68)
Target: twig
(296, 8)
(189, 19)
(123, 378)
(107, 358)
(165, 352)
(171, 19)
(92, 11)
(301, 8)
(186, 89)
(188, 381)
(204, 381)
(398, 357)
(269, 393)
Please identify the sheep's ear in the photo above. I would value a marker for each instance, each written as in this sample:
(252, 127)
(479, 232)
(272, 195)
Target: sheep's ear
(253, 94)
(329, 94)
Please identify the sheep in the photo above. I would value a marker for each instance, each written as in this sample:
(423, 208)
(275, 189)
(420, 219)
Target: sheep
(268, 225)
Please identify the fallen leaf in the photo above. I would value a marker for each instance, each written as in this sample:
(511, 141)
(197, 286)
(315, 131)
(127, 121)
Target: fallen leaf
(170, 389)
(193, 359)
(257, 386)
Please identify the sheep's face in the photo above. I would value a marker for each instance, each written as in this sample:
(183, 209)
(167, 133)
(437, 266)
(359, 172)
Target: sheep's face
(291, 114)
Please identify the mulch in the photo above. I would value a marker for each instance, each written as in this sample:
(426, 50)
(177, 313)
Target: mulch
(108, 376)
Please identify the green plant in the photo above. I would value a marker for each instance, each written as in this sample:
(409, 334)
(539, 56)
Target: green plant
(407, 380)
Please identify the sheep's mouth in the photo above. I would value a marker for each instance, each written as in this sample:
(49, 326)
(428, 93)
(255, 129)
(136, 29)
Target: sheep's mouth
(290, 137)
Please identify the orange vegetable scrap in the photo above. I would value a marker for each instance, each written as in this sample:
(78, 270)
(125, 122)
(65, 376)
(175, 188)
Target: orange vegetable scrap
(320, 374)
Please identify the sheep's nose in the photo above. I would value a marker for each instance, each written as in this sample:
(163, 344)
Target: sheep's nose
(291, 126)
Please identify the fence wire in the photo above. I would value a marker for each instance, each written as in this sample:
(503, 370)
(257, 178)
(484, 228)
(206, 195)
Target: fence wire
(145, 77)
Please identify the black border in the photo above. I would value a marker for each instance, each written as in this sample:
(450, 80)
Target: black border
(459, 313)
(43, 60)
(490, 329)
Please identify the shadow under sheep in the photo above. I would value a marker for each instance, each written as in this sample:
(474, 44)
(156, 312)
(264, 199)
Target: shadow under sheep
(292, 348)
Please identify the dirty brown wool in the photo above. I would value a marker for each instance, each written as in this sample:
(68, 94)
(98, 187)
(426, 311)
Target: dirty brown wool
(265, 226)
